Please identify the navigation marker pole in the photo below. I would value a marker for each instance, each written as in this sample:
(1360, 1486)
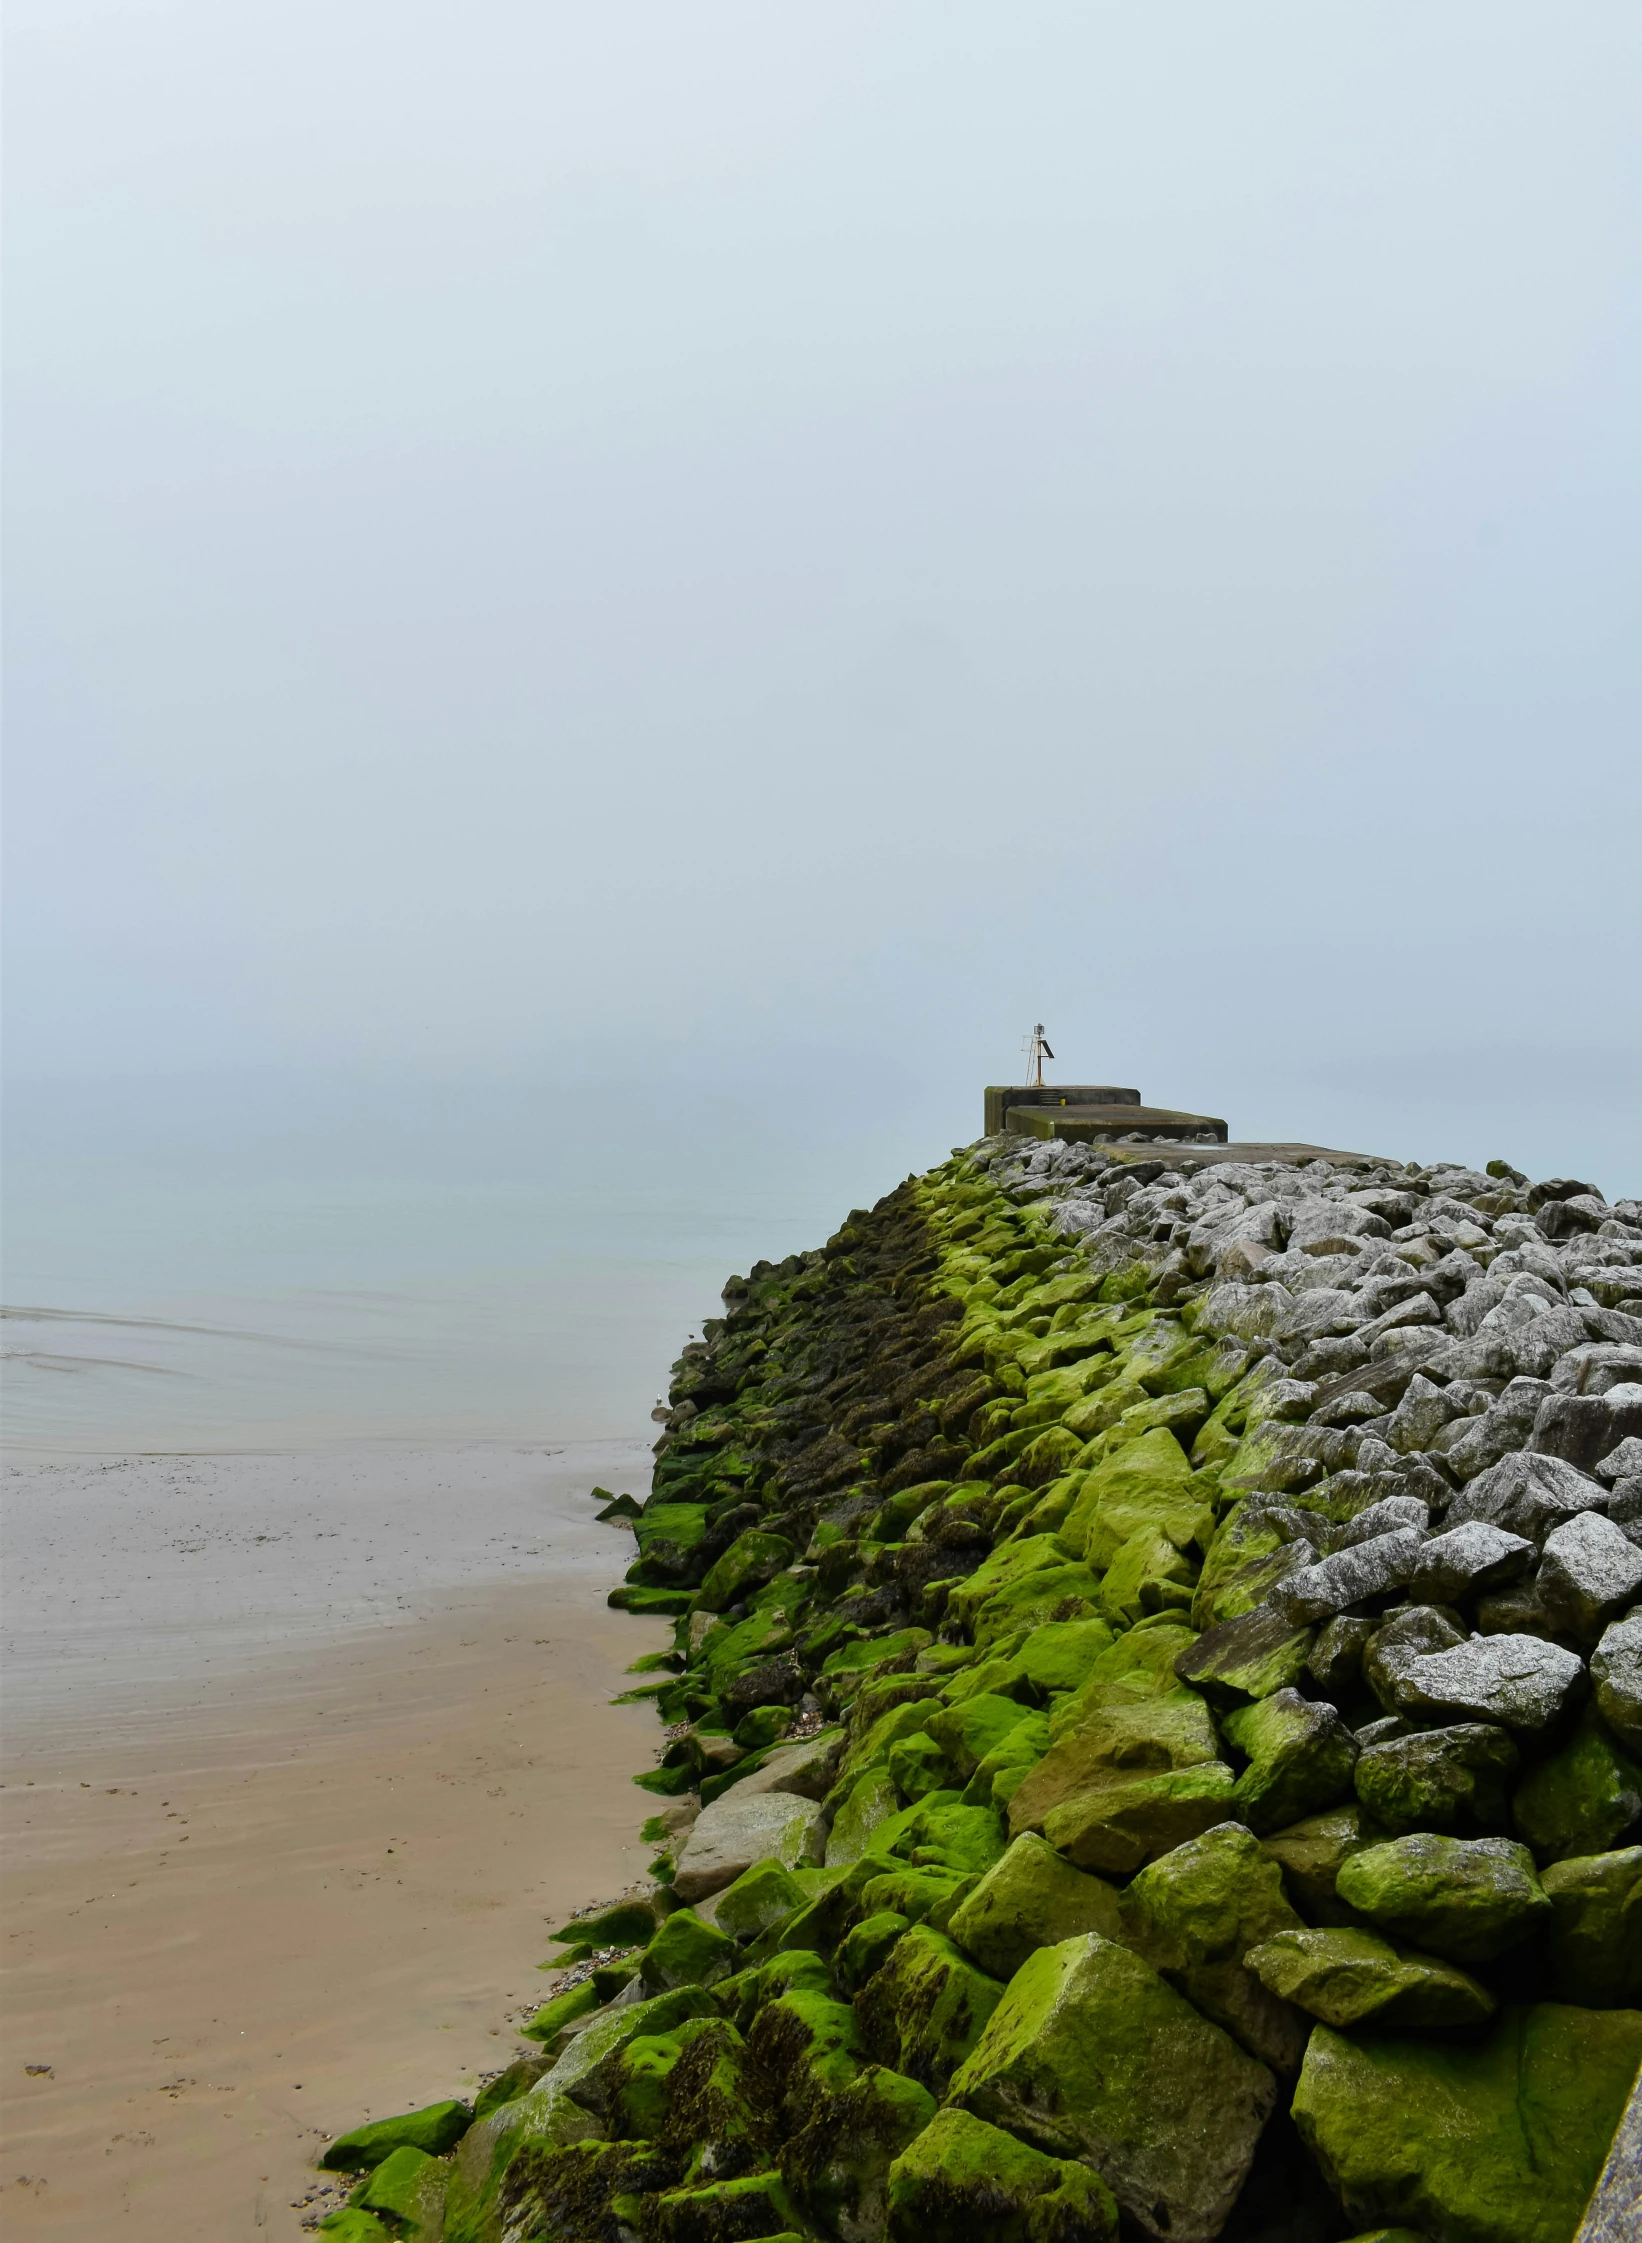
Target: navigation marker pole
(1036, 1048)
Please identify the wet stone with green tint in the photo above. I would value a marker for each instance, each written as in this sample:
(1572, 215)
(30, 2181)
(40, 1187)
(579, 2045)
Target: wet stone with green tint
(1468, 1899)
(1031, 1898)
(1091, 2055)
(1497, 2142)
(1347, 1978)
(962, 2179)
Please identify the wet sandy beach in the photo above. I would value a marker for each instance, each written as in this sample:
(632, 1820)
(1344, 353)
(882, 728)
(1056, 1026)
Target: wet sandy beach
(296, 1882)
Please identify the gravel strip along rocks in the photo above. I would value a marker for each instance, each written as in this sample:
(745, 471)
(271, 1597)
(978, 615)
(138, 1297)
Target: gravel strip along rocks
(1153, 1738)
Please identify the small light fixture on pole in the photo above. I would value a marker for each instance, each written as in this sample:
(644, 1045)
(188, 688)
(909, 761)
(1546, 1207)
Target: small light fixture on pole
(1036, 1048)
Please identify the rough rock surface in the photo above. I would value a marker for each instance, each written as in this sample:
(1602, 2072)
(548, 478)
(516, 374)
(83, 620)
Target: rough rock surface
(1153, 1721)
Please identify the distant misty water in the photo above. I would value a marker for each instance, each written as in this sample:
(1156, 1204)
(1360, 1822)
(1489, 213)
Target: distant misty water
(234, 1294)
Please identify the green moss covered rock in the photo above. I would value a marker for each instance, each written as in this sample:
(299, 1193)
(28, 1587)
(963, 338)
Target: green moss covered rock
(351, 2223)
(1122, 1826)
(871, 1801)
(408, 2189)
(1310, 1854)
(1594, 1946)
(1091, 2055)
(1455, 1780)
(1195, 1913)
(552, 2018)
(1031, 1898)
(1345, 1977)
(433, 2130)
(809, 2045)
(1249, 1656)
(1300, 1759)
(747, 1564)
(918, 1766)
(1113, 1744)
(838, 2164)
(1496, 2143)
(962, 2179)
(867, 1947)
(740, 2211)
(763, 1896)
(686, 1952)
(923, 2012)
(1150, 1573)
(1468, 1899)
(967, 1732)
(1585, 1799)
(1146, 1483)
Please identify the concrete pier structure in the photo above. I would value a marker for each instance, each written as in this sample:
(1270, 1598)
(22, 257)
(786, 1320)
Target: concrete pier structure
(1103, 1114)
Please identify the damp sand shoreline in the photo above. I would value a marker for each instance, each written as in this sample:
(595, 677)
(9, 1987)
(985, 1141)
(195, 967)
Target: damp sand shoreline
(305, 1873)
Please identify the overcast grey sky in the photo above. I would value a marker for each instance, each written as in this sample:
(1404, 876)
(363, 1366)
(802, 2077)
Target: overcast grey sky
(561, 544)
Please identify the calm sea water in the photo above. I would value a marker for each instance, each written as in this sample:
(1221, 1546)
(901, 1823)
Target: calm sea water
(153, 1313)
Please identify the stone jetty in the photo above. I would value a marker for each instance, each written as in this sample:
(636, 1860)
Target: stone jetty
(1152, 1736)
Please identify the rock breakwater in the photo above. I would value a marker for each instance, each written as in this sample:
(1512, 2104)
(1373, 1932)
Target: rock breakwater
(1154, 1737)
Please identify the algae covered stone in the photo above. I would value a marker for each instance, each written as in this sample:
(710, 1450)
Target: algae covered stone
(1346, 1977)
(867, 1947)
(1585, 1799)
(1594, 1948)
(1195, 1913)
(765, 1895)
(1249, 1656)
(409, 2187)
(923, 2011)
(1310, 1854)
(1122, 1826)
(686, 1952)
(839, 2162)
(434, 2130)
(1498, 2143)
(962, 2179)
(1091, 2055)
(1114, 1744)
(755, 2206)
(352, 2224)
(1468, 1899)
(1030, 1899)
(1300, 1754)
(1146, 1484)
(552, 2018)
(1455, 1780)
(871, 1801)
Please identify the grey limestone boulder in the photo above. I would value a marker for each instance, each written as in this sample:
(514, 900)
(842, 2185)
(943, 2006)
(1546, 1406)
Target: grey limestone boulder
(1421, 1415)
(1528, 1494)
(1622, 1463)
(1403, 1637)
(1589, 1573)
(1582, 1428)
(1595, 1367)
(1616, 1670)
(1520, 1681)
(1335, 1584)
(1468, 1561)
(744, 1827)
(808, 1768)
(1384, 1517)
